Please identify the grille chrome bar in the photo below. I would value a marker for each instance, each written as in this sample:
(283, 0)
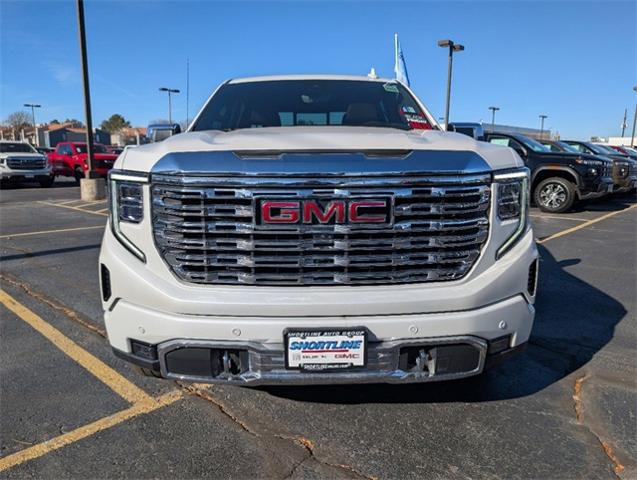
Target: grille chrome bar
(206, 230)
(26, 163)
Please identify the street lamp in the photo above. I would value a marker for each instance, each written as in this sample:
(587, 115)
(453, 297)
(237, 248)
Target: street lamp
(542, 118)
(35, 133)
(453, 47)
(632, 138)
(493, 110)
(169, 90)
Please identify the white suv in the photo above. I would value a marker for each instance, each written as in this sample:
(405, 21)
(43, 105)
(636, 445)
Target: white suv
(20, 162)
(317, 229)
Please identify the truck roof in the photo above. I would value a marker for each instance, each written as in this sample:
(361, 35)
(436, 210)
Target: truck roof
(273, 78)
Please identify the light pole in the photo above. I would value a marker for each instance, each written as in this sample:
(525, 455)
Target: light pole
(90, 173)
(169, 90)
(542, 118)
(453, 47)
(624, 124)
(35, 132)
(493, 110)
(632, 137)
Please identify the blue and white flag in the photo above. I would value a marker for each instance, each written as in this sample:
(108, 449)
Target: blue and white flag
(400, 67)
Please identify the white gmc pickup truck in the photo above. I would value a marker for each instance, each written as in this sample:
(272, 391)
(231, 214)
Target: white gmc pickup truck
(317, 229)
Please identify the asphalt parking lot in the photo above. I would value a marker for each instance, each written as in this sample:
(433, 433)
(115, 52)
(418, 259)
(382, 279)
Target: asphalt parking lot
(566, 408)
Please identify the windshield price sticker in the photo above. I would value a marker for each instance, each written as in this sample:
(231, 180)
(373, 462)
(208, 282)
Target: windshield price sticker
(318, 350)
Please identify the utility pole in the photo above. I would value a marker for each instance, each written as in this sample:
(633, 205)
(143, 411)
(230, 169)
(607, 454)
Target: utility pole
(35, 128)
(453, 47)
(542, 118)
(170, 108)
(493, 110)
(624, 124)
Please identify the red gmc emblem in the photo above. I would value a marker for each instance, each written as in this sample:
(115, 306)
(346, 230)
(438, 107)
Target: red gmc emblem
(313, 211)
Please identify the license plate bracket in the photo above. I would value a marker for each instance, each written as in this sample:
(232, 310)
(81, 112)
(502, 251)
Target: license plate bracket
(325, 349)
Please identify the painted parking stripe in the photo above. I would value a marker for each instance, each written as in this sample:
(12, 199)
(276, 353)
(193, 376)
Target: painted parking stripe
(73, 436)
(584, 225)
(72, 208)
(116, 382)
(557, 217)
(46, 232)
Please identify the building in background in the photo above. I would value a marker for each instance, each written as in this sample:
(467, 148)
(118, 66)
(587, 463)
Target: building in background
(64, 133)
(129, 136)
(617, 141)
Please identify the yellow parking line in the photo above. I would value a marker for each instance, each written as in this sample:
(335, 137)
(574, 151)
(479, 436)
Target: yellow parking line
(102, 210)
(71, 208)
(44, 232)
(45, 447)
(67, 202)
(116, 382)
(557, 217)
(584, 225)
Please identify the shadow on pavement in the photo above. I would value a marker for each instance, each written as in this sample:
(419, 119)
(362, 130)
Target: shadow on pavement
(574, 320)
(44, 253)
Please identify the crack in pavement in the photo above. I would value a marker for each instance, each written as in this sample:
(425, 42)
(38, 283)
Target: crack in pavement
(618, 468)
(71, 314)
(306, 444)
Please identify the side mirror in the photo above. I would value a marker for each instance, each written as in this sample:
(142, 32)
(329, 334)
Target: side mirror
(176, 129)
(521, 151)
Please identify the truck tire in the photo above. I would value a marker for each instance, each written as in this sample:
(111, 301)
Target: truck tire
(554, 195)
(148, 372)
(47, 183)
(78, 174)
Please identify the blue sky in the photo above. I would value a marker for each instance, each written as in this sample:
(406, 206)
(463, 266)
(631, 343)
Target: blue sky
(574, 61)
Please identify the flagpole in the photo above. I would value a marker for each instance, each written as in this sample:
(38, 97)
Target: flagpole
(395, 54)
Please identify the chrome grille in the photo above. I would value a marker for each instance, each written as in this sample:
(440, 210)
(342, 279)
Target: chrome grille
(26, 163)
(205, 230)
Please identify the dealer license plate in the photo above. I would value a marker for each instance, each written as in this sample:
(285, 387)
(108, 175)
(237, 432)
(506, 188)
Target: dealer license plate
(29, 175)
(318, 350)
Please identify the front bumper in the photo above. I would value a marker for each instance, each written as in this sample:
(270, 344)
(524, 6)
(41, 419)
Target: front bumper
(25, 175)
(625, 185)
(595, 189)
(470, 334)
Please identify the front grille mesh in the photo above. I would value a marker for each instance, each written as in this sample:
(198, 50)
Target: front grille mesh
(205, 230)
(26, 163)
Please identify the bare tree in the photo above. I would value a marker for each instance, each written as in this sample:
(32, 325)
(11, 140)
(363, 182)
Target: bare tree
(19, 120)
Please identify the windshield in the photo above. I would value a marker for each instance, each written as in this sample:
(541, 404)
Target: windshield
(290, 103)
(17, 147)
(534, 144)
(567, 147)
(81, 148)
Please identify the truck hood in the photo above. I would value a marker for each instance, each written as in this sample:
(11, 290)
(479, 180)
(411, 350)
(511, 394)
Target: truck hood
(316, 139)
(39, 156)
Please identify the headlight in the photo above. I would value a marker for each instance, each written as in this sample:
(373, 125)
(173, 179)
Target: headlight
(512, 197)
(126, 204)
(592, 163)
(130, 202)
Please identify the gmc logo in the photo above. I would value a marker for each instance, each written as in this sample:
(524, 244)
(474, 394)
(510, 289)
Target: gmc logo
(324, 212)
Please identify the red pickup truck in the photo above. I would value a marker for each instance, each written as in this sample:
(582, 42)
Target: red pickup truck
(69, 159)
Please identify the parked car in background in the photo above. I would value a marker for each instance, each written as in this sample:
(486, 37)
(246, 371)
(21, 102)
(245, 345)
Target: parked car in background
(624, 168)
(115, 150)
(474, 130)
(161, 131)
(628, 152)
(558, 179)
(69, 159)
(45, 150)
(20, 162)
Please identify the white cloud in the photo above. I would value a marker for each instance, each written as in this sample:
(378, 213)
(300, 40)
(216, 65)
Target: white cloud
(62, 72)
